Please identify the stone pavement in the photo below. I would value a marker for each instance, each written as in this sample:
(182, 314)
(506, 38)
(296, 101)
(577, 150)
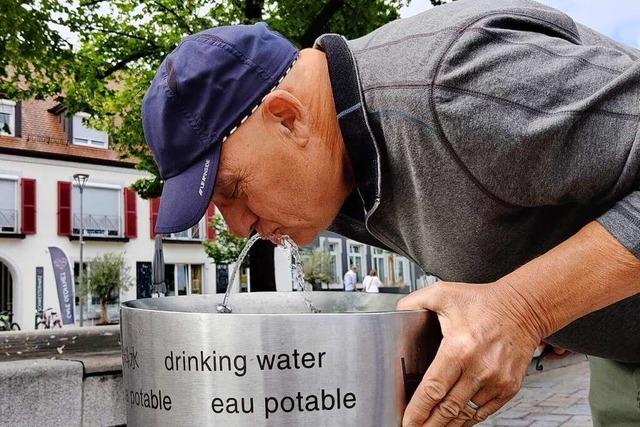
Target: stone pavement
(557, 396)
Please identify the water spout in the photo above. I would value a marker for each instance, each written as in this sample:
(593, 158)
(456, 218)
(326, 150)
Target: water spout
(224, 307)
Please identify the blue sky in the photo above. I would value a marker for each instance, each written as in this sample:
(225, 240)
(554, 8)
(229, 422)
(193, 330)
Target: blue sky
(619, 19)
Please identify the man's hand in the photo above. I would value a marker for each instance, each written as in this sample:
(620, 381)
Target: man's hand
(489, 336)
(490, 331)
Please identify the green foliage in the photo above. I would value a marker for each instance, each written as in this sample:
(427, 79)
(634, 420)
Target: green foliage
(107, 274)
(148, 188)
(122, 43)
(226, 247)
(30, 50)
(317, 267)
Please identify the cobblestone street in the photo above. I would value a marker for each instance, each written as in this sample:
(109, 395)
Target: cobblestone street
(558, 396)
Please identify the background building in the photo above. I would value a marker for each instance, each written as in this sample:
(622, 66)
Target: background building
(41, 148)
(397, 273)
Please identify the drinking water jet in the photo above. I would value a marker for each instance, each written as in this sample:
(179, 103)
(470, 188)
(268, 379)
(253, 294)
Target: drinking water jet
(297, 272)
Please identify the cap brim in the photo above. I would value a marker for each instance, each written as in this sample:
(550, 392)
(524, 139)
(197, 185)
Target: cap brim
(186, 197)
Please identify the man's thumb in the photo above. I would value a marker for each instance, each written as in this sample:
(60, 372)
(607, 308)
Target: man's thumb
(427, 298)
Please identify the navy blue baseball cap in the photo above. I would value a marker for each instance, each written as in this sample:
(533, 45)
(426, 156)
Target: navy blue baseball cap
(202, 92)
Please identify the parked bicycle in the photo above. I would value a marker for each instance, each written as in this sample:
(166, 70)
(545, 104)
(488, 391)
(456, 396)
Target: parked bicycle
(7, 323)
(48, 319)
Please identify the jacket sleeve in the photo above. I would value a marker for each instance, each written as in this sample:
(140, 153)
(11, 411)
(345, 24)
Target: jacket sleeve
(541, 111)
(623, 221)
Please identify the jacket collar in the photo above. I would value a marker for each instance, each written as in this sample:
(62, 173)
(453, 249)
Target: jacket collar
(354, 125)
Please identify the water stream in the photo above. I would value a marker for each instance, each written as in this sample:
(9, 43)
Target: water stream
(224, 307)
(297, 273)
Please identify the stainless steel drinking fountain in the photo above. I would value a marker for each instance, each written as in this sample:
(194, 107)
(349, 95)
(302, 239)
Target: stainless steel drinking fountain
(271, 362)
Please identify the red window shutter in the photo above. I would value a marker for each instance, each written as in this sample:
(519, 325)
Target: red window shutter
(130, 214)
(28, 214)
(154, 205)
(211, 212)
(64, 208)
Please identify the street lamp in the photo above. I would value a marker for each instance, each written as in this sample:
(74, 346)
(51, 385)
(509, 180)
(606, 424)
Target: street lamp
(81, 181)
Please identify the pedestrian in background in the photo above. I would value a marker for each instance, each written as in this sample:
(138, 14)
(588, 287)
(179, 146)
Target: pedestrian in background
(350, 279)
(371, 283)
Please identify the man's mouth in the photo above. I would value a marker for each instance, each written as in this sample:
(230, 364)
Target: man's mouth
(274, 235)
(275, 238)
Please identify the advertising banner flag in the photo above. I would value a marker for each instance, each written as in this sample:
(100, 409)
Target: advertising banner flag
(64, 283)
(39, 288)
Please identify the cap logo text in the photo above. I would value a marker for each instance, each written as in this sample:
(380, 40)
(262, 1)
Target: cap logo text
(203, 180)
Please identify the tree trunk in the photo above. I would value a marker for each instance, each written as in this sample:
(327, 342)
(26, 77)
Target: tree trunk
(253, 11)
(316, 27)
(104, 315)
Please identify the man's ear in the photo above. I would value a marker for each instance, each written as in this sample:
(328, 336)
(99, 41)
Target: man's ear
(282, 109)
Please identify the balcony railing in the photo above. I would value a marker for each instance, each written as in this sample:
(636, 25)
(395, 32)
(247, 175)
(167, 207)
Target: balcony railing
(98, 225)
(8, 221)
(194, 233)
(45, 139)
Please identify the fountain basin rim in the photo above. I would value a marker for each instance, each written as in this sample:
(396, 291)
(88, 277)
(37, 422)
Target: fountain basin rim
(132, 305)
(322, 313)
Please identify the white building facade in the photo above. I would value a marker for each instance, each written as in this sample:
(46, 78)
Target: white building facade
(40, 207)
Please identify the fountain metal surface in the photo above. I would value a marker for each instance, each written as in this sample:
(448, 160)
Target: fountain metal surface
(271, 362)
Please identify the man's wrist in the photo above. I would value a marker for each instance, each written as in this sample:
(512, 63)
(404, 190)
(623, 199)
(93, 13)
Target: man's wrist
(525, 309)
(583, 274)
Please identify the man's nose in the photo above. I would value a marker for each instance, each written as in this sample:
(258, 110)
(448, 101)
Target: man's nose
(239, 220)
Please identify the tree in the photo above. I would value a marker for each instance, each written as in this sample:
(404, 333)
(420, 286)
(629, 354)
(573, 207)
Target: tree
(226, 247)
(122, 42)
(30, 47)
(317, 267)
(107, 274)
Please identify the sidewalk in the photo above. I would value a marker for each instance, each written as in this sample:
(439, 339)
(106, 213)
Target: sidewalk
(557, 396)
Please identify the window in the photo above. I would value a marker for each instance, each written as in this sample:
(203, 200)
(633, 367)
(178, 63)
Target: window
(83, 135)
(402, 270)
(334, 247)
(335, 261)
(183, 279)
(356, 257)
(182, 273)
(144, 279)
(8, 205)
(7, 117)
(101, 211)
(380, 259)
(194, 233)
(196, 279)
(6, 288)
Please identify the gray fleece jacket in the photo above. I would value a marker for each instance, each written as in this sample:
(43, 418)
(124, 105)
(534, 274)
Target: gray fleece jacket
(485, 132)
